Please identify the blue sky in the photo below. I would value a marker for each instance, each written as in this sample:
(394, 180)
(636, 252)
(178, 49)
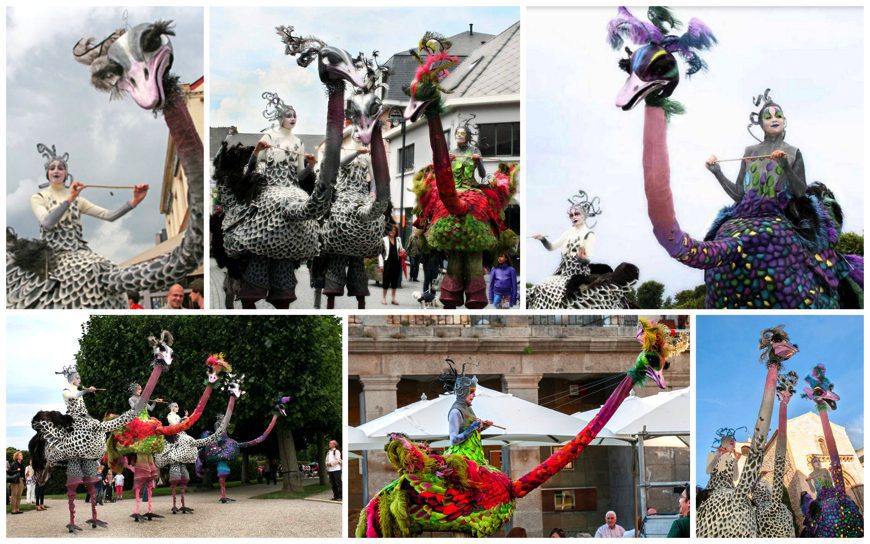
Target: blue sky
(249, 59)
(731, 380)
(810, 58)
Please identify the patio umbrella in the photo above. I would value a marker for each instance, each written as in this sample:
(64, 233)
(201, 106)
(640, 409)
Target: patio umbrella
(666, 412)
(526, 423)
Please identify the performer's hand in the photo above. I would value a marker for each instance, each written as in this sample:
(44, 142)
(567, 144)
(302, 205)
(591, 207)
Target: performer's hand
(538, 236)
(475, 157)
(139, 192)
(157, 400)
(186, 414)
(261, 145)
(362, 150)
(581, 253)
(452, 157)
(74, 190)
(712, 164)
(91, 389)
(310, 160)
(487, 423)
(777, 154)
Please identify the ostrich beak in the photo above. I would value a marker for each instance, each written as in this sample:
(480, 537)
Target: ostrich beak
(636, 90)
(784, 350)
(414, 109)
(656, 376)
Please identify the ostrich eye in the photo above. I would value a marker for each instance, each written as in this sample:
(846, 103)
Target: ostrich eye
(374, 107)
(818, 391)
(151, 40)
(110, 73)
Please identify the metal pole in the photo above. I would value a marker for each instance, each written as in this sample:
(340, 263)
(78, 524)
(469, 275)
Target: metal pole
(402, 190)
(364, 461)
(637, 526)
(641, 468)
(506, 468)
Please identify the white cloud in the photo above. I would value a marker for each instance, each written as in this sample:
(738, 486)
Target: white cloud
(115, 242)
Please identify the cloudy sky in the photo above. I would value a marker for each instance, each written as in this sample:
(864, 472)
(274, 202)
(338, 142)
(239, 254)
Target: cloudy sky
(31, 362)
(49, 100)
(731, 380)
(249, 58)
(811, 58)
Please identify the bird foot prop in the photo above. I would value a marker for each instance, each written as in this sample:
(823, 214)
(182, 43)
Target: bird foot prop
(227, 499)
(152, 515)
(137, 517)
(73, 527)
(96, 522)
(174, 510)
(186, 510)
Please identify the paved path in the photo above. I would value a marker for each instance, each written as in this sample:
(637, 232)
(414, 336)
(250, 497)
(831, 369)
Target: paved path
(306, 294)
(246, 517)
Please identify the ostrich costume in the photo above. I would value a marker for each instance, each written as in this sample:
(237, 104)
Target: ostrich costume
(220, 449)
(184, 450)
(729, 513)
(279, 222)
(355, 225)
(144, 437)
(775, 247)
(462, 222)
(68, 274)
(832, 514)
(459, 491)
(577, 283)
(78, 440)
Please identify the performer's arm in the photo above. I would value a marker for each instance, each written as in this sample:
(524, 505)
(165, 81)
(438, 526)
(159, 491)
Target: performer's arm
(455, 421)
(47, 219)
(795, 174)
(87, 207)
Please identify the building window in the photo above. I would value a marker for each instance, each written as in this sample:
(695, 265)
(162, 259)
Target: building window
(499, 139)
(577, 499)
(406, 158)
(823, 446)
(564, 500)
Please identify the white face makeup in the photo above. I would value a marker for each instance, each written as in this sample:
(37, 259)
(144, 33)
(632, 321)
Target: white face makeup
(576, 216)
(289, 120)
(56, 172)
(772, 121)
(461, 136)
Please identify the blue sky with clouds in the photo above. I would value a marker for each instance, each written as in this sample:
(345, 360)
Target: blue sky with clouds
(810, 58)
(247, 57)
(49, 99)
(730, 380)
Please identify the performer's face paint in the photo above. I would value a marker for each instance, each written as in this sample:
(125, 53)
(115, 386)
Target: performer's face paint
(461, 136)
(469, 398)
(56, 172)
(289, 119)
(138, 390)
(576, 216)
(817, 464)
(76, 380)
(772, 121)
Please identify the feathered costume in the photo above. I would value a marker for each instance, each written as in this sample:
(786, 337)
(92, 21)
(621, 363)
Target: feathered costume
(460, 222)
(459, 491)
(755, 255)
(832, 514)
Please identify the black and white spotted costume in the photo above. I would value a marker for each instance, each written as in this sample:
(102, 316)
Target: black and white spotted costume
(553, 292)
(775, 520)
(353, 229)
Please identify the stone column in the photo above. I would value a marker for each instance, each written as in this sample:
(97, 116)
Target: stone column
(379, 398)
(529, 513)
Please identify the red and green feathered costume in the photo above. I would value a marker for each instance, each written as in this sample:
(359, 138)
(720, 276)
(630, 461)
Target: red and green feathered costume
(460, 492)
(462, 222)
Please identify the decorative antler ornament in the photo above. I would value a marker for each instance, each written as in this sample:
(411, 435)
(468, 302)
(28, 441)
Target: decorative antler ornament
(762, 102)
(306, 48)
(724, 432)
(276, 109)
(435, 65)
(591, 208)
(69, 371)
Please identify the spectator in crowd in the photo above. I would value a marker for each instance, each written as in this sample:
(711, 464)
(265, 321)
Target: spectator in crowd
(680, 527)
(415, 252)
(119, 486)
(133, 300)
(610, 529)
(333, 467)
(30, 481)
(503, 284)
(175, 298)
(15, 478)
(197, 300)
(557, 533)
(517, 532)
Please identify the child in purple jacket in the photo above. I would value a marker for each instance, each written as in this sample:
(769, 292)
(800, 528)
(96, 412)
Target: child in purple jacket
(503, 284)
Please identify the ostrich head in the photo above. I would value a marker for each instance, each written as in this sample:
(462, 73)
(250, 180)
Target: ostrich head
(821, 390)
(134, 61)
(365, 106)
(658, 345)
(162, 349)
(435, 64)
(281, 405)
(651, 69)
(333, 64)
(775, 346)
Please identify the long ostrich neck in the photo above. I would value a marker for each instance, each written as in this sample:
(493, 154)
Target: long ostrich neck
(572, 449)
(779, 453)
(443, 172)
(194, 417)
(762, 425)
(660, 202)
(263, 436)
(171, 267)
(334, 127)
(156, 372)
(222, 428)
(836, 469)
(380, 166)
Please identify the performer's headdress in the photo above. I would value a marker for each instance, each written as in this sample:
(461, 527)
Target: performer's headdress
(590, 208)
(457, 382)
(276, 110)
(775, 346)
(131, 387)
(69, 372)
(466, 123)
(762, 102)
(723, 433)
(173, 405)
(821, 390)
(50, 154)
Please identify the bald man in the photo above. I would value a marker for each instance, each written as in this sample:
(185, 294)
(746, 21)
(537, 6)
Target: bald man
(175, 298)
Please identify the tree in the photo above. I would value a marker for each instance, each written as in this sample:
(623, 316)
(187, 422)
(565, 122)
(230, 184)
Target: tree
(649, 295)
(298, 356)
(851, 243)
(690, 298)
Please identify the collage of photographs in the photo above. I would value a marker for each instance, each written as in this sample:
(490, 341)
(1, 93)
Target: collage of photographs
(417, 271)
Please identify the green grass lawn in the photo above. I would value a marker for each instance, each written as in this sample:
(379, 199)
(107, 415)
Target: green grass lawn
(158, 492)
(311, 489)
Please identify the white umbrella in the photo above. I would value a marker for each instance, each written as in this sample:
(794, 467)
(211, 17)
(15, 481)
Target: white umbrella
(666, 412)
(355, 439)
(525, 423)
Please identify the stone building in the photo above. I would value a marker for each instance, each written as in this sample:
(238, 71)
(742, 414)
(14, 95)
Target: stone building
(554, 361)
